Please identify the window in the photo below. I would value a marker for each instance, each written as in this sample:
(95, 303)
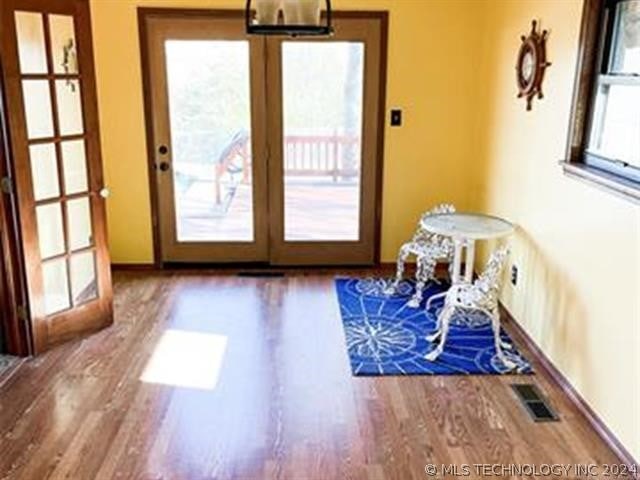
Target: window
(604, 144)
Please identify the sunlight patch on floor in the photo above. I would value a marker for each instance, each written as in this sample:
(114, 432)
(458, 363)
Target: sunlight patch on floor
(186, 359)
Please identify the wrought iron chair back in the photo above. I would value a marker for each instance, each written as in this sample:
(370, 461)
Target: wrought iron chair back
(428, 248)
(484, 291)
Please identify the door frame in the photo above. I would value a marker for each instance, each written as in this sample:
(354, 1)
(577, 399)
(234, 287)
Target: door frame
(364, 251)
(194, 27)
(13, 297)
(145, 12)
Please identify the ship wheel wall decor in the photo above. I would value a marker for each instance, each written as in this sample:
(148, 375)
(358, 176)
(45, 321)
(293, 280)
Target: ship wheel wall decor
(531, 65)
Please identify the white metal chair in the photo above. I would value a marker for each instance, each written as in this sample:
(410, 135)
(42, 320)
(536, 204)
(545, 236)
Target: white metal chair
(481, 295)
(428, 249)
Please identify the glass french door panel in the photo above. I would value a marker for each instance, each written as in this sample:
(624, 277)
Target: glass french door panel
(37, 107)
(50, 229)
(323, 89)
(55, 286)
(69, 107)
(63, 44)
(74, 161)
(44, 171)
(210, 121)
(84, 283)
(31, 45)
(79, 221)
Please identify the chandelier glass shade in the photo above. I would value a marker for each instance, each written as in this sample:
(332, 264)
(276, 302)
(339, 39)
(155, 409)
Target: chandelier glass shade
(289, 17)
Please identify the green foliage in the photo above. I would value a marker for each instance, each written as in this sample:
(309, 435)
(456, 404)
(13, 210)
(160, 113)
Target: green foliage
(209, 92)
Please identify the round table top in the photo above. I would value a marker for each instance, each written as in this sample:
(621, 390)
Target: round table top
(467, 225)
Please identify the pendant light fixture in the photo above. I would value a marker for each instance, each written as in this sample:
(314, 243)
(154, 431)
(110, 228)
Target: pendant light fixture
(291, 18)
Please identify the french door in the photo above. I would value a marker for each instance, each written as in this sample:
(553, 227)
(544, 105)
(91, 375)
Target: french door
(205, 132)
(57, 173)
(264, 149)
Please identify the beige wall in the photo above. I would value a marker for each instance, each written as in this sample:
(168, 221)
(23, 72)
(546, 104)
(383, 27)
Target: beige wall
(429, 75)
(577, 248)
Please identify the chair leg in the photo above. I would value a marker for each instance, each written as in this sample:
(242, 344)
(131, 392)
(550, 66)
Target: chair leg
(444, 320)
(495, 321)
(431, 299)
(424, 273)
(438, 330)
(420, 282)
(403, 254)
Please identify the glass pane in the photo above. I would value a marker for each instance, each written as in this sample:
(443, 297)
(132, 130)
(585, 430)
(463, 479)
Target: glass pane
(37, 107)
(69, 107)
(75, 167)
(323, 89)
(626, 53)
(63, 44)
(209, 100)
(55, 285)
(84, 285)
(44, 171)
(31, 49)
(616, 126)
(50, 231)
(79, 218)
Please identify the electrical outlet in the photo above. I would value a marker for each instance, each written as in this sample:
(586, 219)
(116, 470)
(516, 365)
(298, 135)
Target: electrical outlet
(514, 275)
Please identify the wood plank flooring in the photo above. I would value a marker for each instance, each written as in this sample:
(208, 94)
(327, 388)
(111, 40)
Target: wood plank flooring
(285, 404)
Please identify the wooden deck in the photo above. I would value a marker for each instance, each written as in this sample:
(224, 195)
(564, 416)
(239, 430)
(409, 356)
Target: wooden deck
(316, 209)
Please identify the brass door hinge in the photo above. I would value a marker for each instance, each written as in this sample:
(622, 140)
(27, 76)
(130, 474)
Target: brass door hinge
(6, 185)
(22, 313)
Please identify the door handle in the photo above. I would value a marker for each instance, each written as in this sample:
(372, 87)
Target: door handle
(164, 166)
(104, 192)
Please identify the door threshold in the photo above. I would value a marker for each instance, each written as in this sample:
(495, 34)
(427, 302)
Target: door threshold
(261, 274)
(259, 268)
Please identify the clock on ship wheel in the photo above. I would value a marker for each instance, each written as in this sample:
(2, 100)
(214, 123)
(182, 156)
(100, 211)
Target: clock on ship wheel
(532, 62)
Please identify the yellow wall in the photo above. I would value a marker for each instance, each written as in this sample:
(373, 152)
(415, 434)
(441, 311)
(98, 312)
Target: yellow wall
(468, 140)
(424, 160)
(578, 248)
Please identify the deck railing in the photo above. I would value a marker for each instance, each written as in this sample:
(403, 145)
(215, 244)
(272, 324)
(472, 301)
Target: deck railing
(336, 156)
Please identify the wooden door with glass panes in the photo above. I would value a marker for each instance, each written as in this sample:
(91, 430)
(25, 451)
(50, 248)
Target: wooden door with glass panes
(264, 149)
(53, 124)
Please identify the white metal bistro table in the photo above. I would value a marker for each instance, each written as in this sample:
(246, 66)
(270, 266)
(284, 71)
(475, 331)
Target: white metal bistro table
(465, 229)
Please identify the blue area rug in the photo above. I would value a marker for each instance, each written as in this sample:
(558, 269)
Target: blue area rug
(386, 337)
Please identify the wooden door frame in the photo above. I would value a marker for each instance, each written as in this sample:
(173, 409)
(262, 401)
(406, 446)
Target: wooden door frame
(158, 28)
(13, 300)
(145, 12)
(371, 31)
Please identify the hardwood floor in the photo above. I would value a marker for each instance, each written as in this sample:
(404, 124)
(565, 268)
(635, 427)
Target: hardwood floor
(285, 404)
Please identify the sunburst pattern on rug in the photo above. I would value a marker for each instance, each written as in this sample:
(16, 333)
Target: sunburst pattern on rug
(386, 337)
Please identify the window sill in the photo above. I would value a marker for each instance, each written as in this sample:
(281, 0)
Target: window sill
(627, 189)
